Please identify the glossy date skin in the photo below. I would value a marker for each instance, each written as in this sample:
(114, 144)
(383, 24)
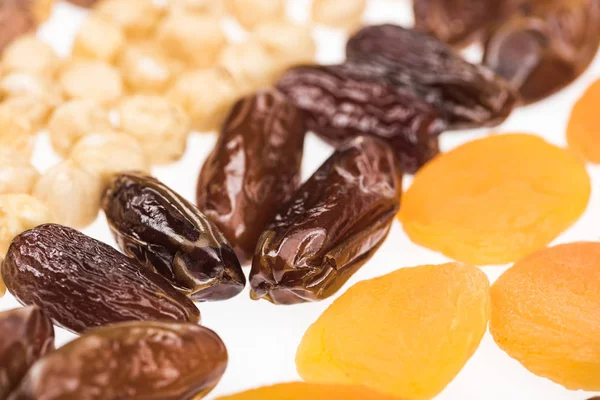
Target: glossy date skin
(254, 169)
(467, 95)
(170, 236)
(26, 334)
(82, 283)
(545, 46)
(334, 223)
(344, 101)
(141, 360)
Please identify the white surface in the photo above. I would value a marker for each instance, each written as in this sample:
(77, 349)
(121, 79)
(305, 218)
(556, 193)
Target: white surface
(262, 338)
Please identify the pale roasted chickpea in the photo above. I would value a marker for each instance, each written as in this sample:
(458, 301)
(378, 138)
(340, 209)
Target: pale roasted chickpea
(208, 7)
(95, 80)
(29, 54)
(17, 84)
(18, 213)
(16, 133)
(192, 38)
(206, 95)
(108, 153)
(137, 18)
(250, 64)
(71, 192)
(98, 39)
(251, 13)
(30, 108)
(74, 120)
(17, 175)
(339, 14)
(159, 126)
(42, 10)
(287, 42)
(146, 68)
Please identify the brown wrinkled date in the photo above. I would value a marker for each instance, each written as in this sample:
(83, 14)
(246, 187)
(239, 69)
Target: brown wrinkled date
(168, 234)
(26, 334)
(344, 101)
(254, 168)
(332, 225)
(141, 360)
(82, 283)
(467, 95)
(546, 45)
(17, 17)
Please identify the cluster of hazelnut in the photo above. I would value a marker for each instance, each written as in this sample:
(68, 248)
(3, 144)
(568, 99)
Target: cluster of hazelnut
(158, 71)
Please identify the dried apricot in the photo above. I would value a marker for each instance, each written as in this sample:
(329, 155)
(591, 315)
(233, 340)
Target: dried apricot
(427, 320)
(496, 199)
(302, 391)
(546, 313)
(583, 131)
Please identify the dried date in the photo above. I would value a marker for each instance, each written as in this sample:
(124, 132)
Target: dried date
(17, 17)
(169, 235)
(332, 225)
(141, 360)
(545, 46)
(26, 334)
(467, 95)
(254, 168)
(82, 283)
(344, 101)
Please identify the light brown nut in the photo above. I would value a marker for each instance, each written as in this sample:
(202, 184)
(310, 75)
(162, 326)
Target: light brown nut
(192, 38)
(340, 14)
(287, 42)
(95, 80)
(98, 39)
(108, 153)
(159, 126)
(146, 68)
(29, 108)
(137, 18)
(206, 95)
(208, 7)
(251, 13)
(75, 119)
(71, 192)
(16, 133)
(17, 175)
(17, 84)
(18, 213)
(29, 54)
(250, 64)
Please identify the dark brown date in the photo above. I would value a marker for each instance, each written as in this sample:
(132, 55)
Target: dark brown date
(467, 95)
(17, 17)
(546, 46)
(82, 283)
(169, 235)
(84, 3)
(142, 360)
(334, 223)
(254, 168)
(342, 102)
(26, 334)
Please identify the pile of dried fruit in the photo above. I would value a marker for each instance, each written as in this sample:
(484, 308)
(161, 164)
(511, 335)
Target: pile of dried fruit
(142, 76)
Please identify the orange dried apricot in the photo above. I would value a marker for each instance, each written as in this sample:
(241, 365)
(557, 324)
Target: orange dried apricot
(546, 313)
(496, 199)
(583, 131)
(407, 334)
(302, 391)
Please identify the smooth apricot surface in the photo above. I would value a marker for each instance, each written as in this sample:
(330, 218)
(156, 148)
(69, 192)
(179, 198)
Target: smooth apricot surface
(309, 391)
(408, 333)
(583, 131)
(496, 199)
(546, 314)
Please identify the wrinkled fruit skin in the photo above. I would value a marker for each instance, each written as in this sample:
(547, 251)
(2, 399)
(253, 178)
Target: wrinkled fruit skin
(16, 19)
(82, 283)
(467, 95)
(170, 236)
(546, 46)
(26, 334)
(254, 168)
(83, 3)
(344, 101)
(303, 391)
(140, 360)
(545, 314)
(407, 333)
(332, 225)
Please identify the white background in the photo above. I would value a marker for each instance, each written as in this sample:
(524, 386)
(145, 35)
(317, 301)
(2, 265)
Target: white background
(262, 338)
